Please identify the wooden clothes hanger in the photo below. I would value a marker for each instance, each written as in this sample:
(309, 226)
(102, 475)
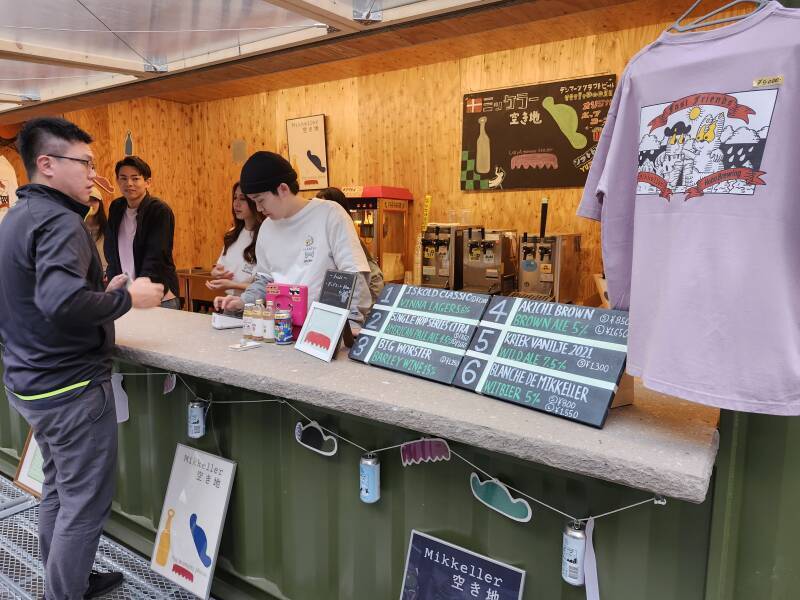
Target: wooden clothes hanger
(704, 20)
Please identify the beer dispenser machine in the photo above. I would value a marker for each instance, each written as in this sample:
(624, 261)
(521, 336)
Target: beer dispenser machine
(549, 265)
(490, 260)
(442, 245)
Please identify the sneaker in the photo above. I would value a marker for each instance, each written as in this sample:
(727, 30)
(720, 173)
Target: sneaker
(102, 583)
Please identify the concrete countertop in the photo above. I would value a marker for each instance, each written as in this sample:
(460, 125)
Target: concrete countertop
(661, 444)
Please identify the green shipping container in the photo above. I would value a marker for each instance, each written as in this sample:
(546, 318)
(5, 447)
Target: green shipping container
(297, 530)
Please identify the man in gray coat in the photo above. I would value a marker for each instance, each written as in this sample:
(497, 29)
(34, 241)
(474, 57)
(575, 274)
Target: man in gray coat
(58, 334)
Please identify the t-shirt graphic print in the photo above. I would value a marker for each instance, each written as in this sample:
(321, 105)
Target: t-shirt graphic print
(706, 143)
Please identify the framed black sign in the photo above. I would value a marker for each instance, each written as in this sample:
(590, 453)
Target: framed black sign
(337, 288)
(438, 569)
(420, 331)
(562, 359)
(533, 136)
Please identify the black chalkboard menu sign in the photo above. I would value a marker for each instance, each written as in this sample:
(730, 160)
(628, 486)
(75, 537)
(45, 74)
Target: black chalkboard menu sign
(337, 288)
(533, 136)
(420, 331)
(436, 569)
(561, 359)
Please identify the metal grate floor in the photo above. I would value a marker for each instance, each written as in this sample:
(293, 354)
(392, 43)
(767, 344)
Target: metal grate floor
(8, 491)
(21, 570)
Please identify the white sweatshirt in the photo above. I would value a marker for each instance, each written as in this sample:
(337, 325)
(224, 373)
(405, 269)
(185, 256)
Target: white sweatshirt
(300, 248)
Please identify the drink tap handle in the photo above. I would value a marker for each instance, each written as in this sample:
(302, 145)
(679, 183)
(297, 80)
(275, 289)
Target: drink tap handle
(543, 221)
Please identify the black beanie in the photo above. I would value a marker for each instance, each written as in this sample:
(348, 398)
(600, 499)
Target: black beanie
(264, 171)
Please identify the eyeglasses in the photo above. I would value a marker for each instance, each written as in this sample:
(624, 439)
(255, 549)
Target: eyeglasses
(88, 163)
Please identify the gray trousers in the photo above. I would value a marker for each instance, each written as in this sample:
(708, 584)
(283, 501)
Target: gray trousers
(78, 441)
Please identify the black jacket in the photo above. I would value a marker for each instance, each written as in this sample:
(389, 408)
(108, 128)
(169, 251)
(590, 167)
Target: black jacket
(152, 244)
(57, 321)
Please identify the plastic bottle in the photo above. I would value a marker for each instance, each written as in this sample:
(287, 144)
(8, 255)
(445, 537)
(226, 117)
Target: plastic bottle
(247, 321)
(258, 321)
(269, 323)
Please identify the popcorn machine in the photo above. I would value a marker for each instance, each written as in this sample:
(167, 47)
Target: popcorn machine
(380, 214)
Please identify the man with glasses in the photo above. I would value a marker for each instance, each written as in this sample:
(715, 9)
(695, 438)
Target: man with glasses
(58, 334)
(140, 233)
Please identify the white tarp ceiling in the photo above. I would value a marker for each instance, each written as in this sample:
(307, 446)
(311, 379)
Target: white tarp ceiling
(56, 48)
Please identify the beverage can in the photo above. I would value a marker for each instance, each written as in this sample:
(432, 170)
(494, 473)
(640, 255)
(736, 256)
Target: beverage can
(573, 553)
(196, 420)
(283, 327)
(369, 478)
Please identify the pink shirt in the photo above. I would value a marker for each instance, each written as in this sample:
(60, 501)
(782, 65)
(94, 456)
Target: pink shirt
(695, 182)
(127, 231)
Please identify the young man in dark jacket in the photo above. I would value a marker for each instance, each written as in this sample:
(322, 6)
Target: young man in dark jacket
(58, 332)
(141, 227)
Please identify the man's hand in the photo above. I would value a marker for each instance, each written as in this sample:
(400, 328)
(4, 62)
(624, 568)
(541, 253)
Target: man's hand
(118, 282)
(229, 303)
(145, 294)
(220, 272)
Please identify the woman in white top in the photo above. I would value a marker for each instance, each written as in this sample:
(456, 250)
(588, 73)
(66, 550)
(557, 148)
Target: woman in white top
(96, 222)
(236, 265)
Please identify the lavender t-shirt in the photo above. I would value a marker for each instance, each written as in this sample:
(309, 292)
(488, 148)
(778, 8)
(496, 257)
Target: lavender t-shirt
(696, 182)
(127, 231)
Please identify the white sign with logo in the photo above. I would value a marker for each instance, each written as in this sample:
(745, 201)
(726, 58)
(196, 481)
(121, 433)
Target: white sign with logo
(191, 523)
(308, 151)
(8, 186)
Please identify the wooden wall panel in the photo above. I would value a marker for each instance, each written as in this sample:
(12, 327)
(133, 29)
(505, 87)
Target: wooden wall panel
(162, 135)
(398, 127)
(216, 126)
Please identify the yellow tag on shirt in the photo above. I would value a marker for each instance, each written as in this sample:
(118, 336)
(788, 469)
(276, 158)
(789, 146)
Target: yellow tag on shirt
(773, 81)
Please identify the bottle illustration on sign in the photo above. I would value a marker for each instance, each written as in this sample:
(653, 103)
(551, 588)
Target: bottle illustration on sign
(164, 541)
(128, 144)
(200, 540)
(483, 155)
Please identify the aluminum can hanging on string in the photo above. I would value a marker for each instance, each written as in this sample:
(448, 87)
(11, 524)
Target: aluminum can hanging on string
(196, 420)
(573, 553)
(370, 478)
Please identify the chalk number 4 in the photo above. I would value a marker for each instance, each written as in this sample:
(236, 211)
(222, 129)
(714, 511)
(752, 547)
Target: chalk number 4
(498, 312)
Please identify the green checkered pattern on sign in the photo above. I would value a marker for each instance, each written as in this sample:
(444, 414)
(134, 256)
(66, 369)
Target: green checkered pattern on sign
(470, 180)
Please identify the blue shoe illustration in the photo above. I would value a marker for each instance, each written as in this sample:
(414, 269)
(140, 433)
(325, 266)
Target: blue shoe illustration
(200, 540)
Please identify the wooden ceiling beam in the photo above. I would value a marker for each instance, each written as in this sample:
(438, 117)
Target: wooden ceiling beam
(485, 29)
(22, 51)
(13, 99)
(324, 11)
